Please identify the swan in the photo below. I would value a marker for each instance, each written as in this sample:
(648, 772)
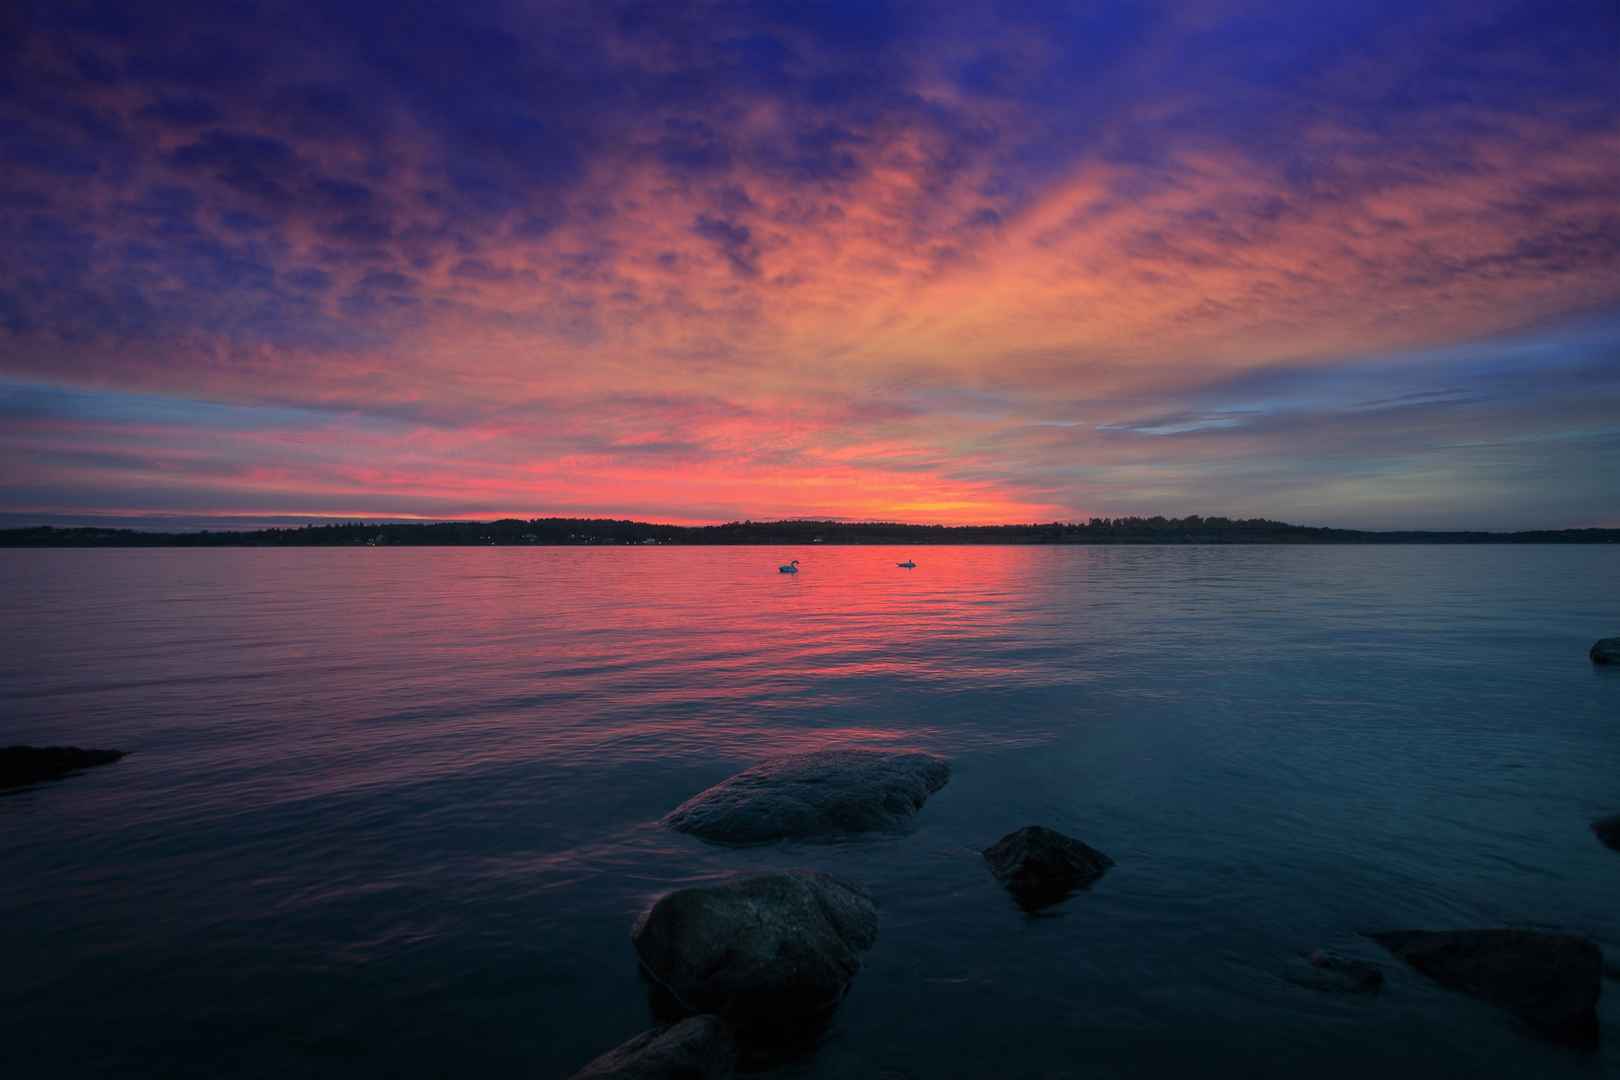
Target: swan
(790, 568)
(907, 565)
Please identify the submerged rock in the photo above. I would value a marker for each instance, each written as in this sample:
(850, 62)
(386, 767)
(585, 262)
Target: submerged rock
(1325, 970)
(1041, 866)
(825, 792)
(31, 764)
(1551, 981)
(698, 1048)
(1606, 651)
(769, 953)
(1608, 830)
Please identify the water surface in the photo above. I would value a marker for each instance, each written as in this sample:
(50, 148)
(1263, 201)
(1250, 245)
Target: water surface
(393, 811)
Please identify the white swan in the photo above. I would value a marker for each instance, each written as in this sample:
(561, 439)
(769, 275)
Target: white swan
(907, 565)
(790, 568)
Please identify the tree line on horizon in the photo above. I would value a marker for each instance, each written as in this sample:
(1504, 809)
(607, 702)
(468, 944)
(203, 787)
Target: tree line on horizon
(605, 531)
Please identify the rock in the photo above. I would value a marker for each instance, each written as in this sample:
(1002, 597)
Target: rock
(698, 1048)
(1324, 970)
(31, 764)
(1551, 981)
(1041, 866)
(825, 792)
(1608, 830)
(770, 953)
(1606, 651)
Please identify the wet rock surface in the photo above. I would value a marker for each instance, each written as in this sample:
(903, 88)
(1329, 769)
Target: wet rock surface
(1041, 866)
(1605, 651)
(1324, 969)
(823, 793)
(30, 764)
(771, 954)
(698, 1048)
(1551, 981)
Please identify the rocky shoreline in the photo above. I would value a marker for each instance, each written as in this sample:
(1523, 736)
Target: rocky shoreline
(753, 968)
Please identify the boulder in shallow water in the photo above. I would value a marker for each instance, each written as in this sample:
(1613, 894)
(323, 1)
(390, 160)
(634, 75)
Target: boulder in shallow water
(31, 764)
(697, 1048)
(821, 793)
(1606, 651)
(1608, 830)
(769, 953)
(1551, 981)
(1326, 970)
(1041, 866)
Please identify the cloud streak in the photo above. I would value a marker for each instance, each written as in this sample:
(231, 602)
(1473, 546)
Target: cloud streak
(721, 261)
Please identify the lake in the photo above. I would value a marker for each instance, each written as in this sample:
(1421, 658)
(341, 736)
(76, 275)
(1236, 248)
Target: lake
(392, 811)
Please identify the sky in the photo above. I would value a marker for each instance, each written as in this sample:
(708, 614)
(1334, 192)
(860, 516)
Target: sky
(1338, 263)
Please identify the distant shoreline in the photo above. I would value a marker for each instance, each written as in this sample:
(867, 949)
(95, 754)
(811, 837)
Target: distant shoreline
(596, 532)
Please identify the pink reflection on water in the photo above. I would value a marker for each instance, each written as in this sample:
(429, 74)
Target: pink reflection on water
(299, 674)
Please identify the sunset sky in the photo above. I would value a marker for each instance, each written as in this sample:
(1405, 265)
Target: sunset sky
(1342, 263)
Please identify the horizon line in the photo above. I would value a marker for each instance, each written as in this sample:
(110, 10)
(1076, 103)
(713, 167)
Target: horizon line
(248, 523)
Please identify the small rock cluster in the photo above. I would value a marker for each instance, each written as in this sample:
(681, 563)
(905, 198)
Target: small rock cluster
(762, 960)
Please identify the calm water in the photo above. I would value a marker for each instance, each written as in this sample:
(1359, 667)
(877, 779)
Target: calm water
(392, 811)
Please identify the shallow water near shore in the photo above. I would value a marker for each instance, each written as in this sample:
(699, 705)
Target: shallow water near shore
(393, 811)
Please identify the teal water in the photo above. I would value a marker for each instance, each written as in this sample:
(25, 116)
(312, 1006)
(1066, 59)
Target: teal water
(391, 812)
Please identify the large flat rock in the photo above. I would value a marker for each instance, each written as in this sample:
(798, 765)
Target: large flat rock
(821, 793)
(766, 952)
(30, 764)
(1551, 981)
(697, 1048)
